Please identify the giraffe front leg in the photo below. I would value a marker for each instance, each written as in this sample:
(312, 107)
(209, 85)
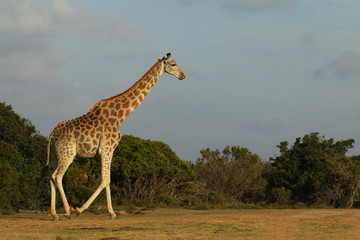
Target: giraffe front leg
(103, 184)
(106, 156)
(109, 204)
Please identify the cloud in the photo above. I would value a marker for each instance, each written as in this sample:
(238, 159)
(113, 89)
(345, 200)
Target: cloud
(245, 5)
(22, 67)
(28, 31)
(257, 5)
(308, 38)
(32, 30)
(29, 17)
(347, 65)
(36, 42)
(272, 123)
(344, 67)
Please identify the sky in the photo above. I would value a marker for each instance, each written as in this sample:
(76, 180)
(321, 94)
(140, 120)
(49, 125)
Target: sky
(259, 72)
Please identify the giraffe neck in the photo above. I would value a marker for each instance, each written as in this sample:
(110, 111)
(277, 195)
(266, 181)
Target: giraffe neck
(118, 107)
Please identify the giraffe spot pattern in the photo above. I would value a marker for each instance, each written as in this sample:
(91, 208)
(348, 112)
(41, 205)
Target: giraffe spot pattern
(97, 130)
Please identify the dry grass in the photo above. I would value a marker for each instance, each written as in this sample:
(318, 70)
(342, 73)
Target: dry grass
(188, 224)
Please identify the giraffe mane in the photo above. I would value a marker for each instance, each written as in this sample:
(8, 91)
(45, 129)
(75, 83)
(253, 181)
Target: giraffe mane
(132, 87)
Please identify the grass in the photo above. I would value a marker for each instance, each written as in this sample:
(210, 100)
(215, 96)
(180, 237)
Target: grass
(297, 224)
(61, 238)
(336, 227)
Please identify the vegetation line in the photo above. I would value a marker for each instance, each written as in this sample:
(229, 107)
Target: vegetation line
(311, 172)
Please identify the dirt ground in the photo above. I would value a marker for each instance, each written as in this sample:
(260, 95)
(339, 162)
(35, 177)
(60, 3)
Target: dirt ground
(264, 224)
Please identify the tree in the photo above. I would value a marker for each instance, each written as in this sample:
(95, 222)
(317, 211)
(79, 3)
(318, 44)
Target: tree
(234, 173)
(344, 190)
(146, 171)
(9, 177)
(308, 167)
(142, 172)
(22, 149)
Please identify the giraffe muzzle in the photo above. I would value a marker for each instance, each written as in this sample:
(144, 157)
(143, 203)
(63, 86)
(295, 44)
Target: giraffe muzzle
(182, 76)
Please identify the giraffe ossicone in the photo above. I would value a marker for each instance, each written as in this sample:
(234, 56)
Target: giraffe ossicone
(97, 132)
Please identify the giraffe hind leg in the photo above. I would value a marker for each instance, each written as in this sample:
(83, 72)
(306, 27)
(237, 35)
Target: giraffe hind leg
(53, 200)
(56, 181)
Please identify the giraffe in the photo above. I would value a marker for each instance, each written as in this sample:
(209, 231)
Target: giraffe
(97, 132)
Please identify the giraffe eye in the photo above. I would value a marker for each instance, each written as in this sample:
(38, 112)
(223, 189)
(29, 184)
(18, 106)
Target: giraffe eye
(173, 64)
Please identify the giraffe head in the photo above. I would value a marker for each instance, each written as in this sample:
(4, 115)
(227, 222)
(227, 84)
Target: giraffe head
(171, 67)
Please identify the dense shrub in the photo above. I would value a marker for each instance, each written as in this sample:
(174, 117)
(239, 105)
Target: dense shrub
(313, 171)
(235, 174)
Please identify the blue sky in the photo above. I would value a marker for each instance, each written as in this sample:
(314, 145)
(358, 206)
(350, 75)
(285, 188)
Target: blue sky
(258, 71)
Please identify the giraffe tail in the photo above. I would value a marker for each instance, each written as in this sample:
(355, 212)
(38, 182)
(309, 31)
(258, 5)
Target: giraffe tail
(45, 168)
(48, 150)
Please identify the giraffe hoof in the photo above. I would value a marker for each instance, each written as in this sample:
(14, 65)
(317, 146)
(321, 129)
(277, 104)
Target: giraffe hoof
(67, 216)
(77, 211)
(55, 217)
(112, 216)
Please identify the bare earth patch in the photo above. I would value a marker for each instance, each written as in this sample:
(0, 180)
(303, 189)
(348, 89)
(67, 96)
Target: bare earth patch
(188, 224)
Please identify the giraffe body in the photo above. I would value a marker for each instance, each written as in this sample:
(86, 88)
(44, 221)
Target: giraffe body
(97, 132)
